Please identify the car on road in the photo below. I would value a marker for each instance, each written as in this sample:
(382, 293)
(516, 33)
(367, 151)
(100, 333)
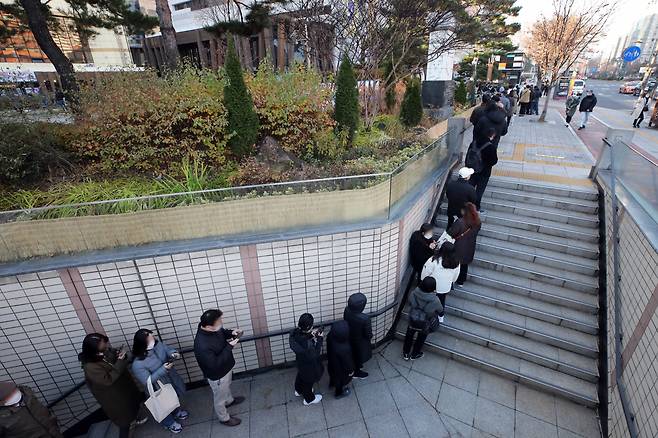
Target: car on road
(648, 88)
(628, 87)
(578, 86)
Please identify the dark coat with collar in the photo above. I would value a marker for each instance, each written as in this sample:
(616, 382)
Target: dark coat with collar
(419, 249)
(307, 351)
(339, 355)
(494, 117)
(587, 104)
(213, 352)
(360, 329)
(458, 193)
(29, 419)
(464, 245)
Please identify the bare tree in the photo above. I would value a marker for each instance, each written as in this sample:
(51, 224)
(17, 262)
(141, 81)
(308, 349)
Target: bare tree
(168, 32)
(556, 42)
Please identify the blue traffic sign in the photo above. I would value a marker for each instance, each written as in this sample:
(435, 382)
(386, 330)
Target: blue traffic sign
(631, 53)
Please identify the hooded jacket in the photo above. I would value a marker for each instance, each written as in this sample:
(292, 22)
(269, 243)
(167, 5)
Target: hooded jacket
(360, 329)
(444, 277)
(426, 301)
(30, 419)
(339, 354)
(572, 104)
(494, 118)
(419, 249)
(213, 353)
(307, 351)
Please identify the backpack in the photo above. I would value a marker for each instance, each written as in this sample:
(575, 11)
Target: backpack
(474, 157)
(418, 320)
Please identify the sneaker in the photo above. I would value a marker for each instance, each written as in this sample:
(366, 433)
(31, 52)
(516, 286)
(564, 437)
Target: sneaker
(417, 356)
(405, 356)
(360, 374)
(345, 393)
(440, 319)
(182, 415)
(236, 401)
(297, 394)
(317, 399)
(231, 422)
(175, 428)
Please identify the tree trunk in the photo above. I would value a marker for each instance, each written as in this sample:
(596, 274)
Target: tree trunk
(168, 33)
(549, 96)
(38, 24)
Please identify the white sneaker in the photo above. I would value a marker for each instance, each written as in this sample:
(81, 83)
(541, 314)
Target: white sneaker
(441, 319)
(297, 394)
(175, 428)
(317, 399)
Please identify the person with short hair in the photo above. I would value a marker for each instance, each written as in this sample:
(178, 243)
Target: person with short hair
(444, 268)
(213, 349)
(465, 231)
(587, 105)
(458, 193)
(421, 248)
(306, 343)
(424, 298)
(22, 415)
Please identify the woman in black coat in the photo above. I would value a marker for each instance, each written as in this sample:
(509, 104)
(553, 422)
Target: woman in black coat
(339, 356)
(421, 248)
(465, 231)
(307, 345)
(360, 332)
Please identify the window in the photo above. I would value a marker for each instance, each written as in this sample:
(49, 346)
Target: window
(184, 5)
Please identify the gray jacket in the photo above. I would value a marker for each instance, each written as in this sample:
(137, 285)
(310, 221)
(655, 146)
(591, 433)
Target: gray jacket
(426, 301)
(153, 365)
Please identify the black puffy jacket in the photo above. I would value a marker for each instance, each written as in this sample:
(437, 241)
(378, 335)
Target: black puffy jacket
(419, 249)
(495, 118)
(360, 329)
(339, 354)
(307, 351)
(458, 192)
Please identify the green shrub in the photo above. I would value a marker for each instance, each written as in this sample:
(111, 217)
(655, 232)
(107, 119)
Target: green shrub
(242, 117)
(293, 107)
(461, 94)
(139, 122)
(390, 125)
(28, 151)
(328, 145)
(346, 110)
(411, 111)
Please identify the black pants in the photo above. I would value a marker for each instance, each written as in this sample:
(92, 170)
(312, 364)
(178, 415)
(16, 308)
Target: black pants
(463, 272)
(524, 108)
(639, 119)
(480, 181)
(442, 298)
(569, 118)
(411, 345)
(305, 389)
(124, 432)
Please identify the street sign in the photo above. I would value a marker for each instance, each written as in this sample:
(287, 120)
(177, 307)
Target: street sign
(631, 53)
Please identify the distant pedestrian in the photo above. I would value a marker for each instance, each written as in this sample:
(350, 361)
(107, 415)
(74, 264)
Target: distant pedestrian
(513, 100)
(571, 106)
(306, 343)
(587, 105)
(443, 267)
(465, 232)
(360, 332)
(106, 373)
(340, 362)
(458, 193)
(155, 359)
(213, 349)
(504, 99)
(524, 100)
(641, 106)
(424, 306)
(421, 248)
(22, 415)
(534, 100)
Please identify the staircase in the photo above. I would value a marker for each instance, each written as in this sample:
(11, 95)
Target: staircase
(529, 308)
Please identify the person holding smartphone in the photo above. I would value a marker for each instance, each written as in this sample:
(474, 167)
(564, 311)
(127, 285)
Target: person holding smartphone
(306, 343)
(213, 348)
(155, 359)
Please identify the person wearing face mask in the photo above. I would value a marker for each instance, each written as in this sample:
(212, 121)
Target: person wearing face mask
(155, 359)
(306, 343)
(213, 348)
(22, 415)
(421, 247)
(108, 379)
(458, 193)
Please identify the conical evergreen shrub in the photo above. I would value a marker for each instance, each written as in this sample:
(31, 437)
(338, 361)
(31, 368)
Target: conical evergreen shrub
(411, 111)
(346, 110)
(461, 94)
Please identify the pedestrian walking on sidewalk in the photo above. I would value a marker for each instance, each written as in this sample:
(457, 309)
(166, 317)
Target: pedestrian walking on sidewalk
(458, 193)
(424, 310)
(524, 100)
(360, 332)
(641, 106)
(421, 247)
(483, 157)
(213, 349)
(571, 106)
(340, 363)
(306, 343)
(155, 359)
(443, 267)
(465, 232)
(106, 374)
(587, 105)
(22, 415)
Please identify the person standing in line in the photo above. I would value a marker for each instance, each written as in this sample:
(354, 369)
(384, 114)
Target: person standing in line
(641, 105)
(339, 358)
(22, 415)
(504, 99)
(465, 232)
(155, 359)
(571, 106)
(512, 97)
(360, 332)
(306, 343)
(443, 267)
(488, 159)
(587, 105)
(421, 248)
(213, 349)
(534, 100)
(108, 379)
(524, 101)
(458, 193)
(425, 299)
(479, 110)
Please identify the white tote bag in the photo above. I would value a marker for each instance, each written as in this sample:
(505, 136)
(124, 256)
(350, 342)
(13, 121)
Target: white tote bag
(161, 402)
(445, 237)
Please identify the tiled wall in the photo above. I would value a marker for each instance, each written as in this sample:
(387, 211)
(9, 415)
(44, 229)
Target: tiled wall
(639, 300)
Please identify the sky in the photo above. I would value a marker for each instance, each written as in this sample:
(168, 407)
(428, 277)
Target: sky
(628, 12)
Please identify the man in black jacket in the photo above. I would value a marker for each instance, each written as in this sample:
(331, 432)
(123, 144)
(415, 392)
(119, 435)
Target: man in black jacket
(489, 154)
(421, 248)
(458, 193)
(306, 343)
(213, 348)
(587, 105)
(360, 332)
(495, 117)
(479, 110)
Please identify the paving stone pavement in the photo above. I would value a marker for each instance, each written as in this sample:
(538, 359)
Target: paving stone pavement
(431, 397)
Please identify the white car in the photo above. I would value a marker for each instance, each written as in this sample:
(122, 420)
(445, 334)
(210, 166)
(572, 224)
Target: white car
(578, 86)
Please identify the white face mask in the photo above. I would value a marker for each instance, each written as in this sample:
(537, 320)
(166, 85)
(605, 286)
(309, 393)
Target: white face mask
(151, 344)
(14, 398)
(428, 235)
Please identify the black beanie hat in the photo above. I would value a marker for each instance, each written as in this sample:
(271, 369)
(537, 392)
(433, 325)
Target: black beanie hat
(305, 321)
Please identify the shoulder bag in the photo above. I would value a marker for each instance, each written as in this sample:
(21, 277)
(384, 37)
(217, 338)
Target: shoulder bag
(161, 402)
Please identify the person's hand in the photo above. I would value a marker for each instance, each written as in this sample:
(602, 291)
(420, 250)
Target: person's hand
(432, 245)
(237, 333)
(175, 355)
(168, 365)
(234, 342)
(121, 355)
(351, 374)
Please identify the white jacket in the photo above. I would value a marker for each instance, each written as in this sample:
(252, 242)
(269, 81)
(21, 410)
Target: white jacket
(444, 277)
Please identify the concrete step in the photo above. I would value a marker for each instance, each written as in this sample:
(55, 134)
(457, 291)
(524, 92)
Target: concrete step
(511, 367)
(530, 307)
(540, 291)
(542, 199)
(542, 331)
(536, 271)
(540, 256)
(102, 430)
(529, 186)
(539, 212)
